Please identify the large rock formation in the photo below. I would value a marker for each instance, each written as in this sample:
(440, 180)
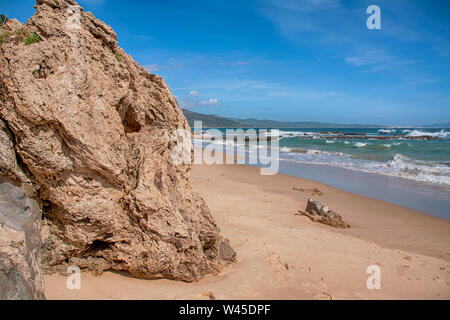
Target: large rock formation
(20, 216)
(93, 134)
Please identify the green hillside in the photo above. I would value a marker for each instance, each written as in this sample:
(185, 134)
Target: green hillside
(213, 121)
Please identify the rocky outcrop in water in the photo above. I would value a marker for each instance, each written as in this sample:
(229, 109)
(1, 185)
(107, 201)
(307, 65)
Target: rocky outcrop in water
(364, 136)
(93, 133)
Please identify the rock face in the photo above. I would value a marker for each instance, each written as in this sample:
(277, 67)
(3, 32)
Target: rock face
(320, 213)
(20, 216)
(94, 133)
(20, 270)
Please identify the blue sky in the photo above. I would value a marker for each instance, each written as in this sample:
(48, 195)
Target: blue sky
(296, 60)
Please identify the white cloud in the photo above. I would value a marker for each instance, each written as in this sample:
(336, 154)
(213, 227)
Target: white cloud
(210, 102)
(192, 101)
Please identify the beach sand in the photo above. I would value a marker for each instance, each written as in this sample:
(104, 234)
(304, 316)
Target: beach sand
(282, 255)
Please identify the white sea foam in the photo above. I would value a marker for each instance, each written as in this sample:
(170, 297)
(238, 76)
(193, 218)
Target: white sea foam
(406, 167)
(417, 133)
(386, 131)
(360, 144)
(329, 141)
(290, 133)
(400, 166)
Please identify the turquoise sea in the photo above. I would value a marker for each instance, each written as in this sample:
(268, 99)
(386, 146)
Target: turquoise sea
(397, 154)
(384, 163)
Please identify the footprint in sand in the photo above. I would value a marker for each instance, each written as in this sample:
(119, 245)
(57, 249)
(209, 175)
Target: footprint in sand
(209, 295)
(401, 270)
(440, 280)
(444, 268)
(322, 296)
(314, 191)
(306, 267)
(280, 267)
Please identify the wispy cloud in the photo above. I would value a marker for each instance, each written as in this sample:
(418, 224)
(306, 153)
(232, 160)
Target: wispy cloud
(92, 3)
(250, 85)
(369, 58)
(230, 84)
(192, 100)
(306, 5)
(233, 63)
(239, 63)
(152, 67)
(210, 102)
(308, 20)
(377, 60)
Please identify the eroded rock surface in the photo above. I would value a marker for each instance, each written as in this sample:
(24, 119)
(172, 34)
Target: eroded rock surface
(20, 269)
(94, 131)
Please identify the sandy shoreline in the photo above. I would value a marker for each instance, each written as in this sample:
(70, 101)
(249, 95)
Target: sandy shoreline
(285, 256)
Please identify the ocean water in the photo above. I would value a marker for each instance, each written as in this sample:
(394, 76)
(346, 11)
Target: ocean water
(426, 161)
(410, 173)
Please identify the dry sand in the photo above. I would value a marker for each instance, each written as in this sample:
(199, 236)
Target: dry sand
(282, 255)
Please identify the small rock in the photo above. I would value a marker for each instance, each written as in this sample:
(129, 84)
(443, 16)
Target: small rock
(320, 213)
(226, 252)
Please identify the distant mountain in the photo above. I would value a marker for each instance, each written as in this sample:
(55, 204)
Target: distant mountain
(213, 121)
(439, 125)
(210, 121)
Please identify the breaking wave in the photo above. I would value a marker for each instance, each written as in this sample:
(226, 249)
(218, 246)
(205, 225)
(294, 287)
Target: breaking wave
(387, 131)
(400, 166)
(417, 133)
